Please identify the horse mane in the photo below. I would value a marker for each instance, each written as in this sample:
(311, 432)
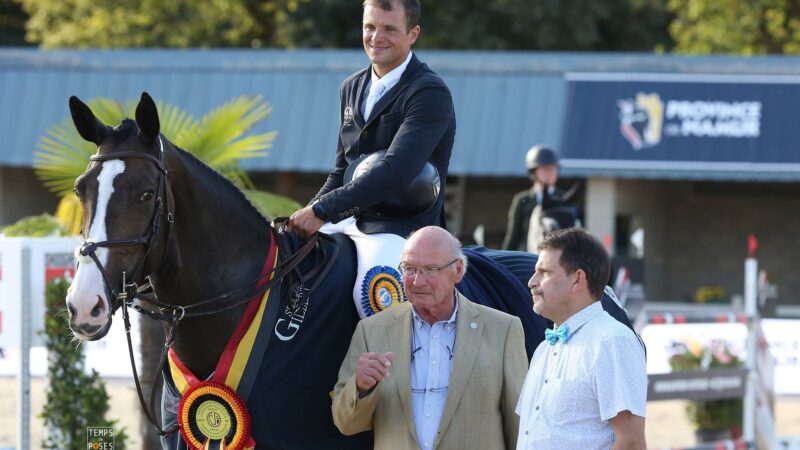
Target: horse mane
(195, 163)
(128, 128)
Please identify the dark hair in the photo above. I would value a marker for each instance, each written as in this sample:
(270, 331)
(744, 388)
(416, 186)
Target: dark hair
(412, 9)
(581, 250)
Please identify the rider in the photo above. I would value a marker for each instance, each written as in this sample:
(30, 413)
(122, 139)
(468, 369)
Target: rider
(542, 164)
(400, 106)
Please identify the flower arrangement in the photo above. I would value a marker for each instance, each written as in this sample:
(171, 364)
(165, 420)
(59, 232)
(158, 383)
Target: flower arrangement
(718, 415)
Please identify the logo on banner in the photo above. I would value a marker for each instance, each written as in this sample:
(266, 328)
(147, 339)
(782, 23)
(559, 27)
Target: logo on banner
(58, 265)
(645, 119)
(641, 120)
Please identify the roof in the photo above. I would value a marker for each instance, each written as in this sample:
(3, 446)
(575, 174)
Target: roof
(505, 101)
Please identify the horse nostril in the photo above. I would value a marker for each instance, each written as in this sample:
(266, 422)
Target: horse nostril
(72, 310)
(98, 308)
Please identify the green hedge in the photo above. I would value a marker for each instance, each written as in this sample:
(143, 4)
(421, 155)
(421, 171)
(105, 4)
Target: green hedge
(75, 400)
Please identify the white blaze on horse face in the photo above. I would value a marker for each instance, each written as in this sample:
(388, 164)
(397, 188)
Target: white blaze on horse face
(87, 290)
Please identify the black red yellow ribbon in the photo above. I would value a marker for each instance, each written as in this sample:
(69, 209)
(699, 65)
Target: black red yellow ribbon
(211, 415)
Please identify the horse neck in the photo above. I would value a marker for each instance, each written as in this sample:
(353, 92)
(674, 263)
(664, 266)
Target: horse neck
(222, 242)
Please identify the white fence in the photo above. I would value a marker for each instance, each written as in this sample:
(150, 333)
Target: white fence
(26, 266)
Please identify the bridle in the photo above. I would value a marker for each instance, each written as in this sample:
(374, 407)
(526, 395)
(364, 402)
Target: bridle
(172, 315)
(129, 291)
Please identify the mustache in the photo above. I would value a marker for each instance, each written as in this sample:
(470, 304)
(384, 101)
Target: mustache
(538, 292)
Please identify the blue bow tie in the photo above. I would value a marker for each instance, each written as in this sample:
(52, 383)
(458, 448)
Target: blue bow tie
(552, 336)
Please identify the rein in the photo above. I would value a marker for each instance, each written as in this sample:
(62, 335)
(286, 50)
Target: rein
(172, 315)
(179, 313)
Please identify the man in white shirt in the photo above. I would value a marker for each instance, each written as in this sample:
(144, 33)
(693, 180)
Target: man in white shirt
(587, 383)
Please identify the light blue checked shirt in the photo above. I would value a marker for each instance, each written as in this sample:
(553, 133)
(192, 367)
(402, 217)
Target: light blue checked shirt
(573, 389)
(431, 360)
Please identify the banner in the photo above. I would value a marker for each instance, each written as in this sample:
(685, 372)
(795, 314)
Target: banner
(681, 122)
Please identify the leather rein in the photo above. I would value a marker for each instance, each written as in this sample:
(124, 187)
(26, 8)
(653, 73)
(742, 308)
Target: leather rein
(172, 315)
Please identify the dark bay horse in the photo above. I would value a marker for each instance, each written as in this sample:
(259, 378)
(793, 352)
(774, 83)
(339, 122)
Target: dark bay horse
(155, 216)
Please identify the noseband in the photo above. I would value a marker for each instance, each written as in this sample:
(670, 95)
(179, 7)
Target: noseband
(129, 291)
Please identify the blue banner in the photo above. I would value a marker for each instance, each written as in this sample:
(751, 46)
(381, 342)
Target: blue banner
(676, 120)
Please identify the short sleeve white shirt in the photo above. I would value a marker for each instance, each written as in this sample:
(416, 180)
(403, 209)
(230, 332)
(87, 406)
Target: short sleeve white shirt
(573, 389)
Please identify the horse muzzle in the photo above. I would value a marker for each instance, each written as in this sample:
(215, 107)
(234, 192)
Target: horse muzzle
(91, 325)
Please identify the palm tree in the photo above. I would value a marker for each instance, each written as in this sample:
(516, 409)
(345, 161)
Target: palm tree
(219, 139)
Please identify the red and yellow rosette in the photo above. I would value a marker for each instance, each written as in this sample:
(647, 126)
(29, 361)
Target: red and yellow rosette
(212, 416)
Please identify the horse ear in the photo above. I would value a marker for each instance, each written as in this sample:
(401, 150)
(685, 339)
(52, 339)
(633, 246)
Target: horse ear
(88, 126)
(147, 119)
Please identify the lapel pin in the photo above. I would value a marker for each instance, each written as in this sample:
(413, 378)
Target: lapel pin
(473, 325)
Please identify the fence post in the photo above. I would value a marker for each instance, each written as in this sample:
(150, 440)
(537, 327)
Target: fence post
(751, 310)
(24, 380)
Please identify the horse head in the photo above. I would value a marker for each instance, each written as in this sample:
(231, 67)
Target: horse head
(127, 215)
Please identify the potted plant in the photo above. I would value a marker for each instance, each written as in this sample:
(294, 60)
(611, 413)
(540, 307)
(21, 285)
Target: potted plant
(713, 419)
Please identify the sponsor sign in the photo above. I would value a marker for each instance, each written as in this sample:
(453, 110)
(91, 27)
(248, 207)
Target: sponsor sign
(710, 384)
(688, 121)
(58, 265)
(781, 341)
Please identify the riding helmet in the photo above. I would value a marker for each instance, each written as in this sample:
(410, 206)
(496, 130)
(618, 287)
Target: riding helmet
(540, 155)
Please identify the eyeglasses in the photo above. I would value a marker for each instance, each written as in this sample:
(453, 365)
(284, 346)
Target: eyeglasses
(411, 271)
(434, 390)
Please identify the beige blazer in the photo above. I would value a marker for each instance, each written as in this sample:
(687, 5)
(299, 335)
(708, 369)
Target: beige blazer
(488, 369)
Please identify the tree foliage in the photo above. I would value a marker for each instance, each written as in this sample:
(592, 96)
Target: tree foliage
(584, 25)
(12, 23)
(495, 24)
(145, 23)
(75, 400)
(736, 27)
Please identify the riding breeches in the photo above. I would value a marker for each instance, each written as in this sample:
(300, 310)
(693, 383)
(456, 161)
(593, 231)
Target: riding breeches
(379, 284)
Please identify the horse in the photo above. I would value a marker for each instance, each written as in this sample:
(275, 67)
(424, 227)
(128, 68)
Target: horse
(171, 238)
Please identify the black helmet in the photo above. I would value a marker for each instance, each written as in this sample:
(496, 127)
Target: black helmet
(419, 196)
(540, 155)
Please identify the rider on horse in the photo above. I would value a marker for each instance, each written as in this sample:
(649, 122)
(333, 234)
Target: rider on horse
(399, 107)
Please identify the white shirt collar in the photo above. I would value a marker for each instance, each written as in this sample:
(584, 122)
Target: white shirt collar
(390, 79)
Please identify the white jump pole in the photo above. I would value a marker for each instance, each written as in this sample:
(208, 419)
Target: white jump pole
(751, 310)
(24, 380)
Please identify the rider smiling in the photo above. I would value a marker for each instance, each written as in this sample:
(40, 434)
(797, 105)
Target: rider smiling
(397, 105)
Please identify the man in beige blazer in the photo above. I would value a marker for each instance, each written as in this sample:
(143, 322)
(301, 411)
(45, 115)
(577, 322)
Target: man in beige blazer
(487, 365)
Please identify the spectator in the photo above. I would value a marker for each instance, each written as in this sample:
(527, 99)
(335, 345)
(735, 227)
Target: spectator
(437, 372)
(587, 384)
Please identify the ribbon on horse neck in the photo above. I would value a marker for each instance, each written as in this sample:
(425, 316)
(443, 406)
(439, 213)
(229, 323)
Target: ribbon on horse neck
(212, 413)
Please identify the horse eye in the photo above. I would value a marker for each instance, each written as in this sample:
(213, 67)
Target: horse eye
(77, 194)
(147, 196)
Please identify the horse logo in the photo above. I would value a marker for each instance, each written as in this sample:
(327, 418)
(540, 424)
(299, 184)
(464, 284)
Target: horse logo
(641, 120)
